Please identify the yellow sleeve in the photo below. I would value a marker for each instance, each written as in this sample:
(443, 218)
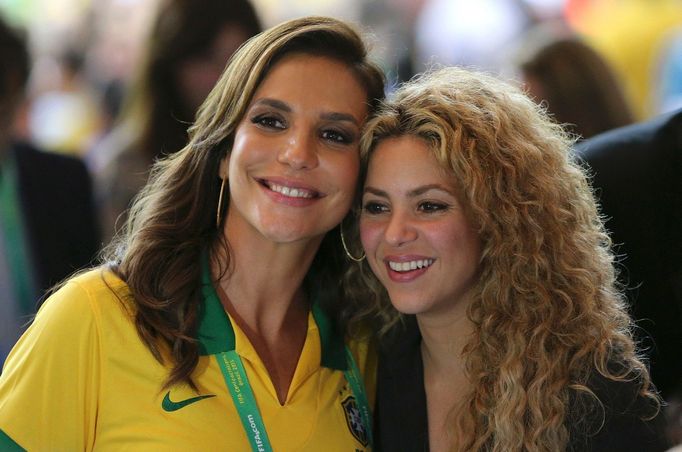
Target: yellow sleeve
(50, 382)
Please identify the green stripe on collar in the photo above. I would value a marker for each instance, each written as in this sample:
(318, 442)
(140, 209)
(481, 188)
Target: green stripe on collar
(333, 348)
(216, 334)
(7, 444)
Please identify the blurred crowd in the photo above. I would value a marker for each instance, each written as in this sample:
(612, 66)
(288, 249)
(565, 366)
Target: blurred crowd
(87, 103)
(622, 54)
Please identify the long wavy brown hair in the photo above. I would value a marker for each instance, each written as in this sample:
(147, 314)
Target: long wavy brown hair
(546, 311)
(183, 29)
(173, 220)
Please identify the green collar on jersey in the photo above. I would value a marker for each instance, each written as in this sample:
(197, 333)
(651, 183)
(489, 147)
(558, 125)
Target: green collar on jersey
(216, 334)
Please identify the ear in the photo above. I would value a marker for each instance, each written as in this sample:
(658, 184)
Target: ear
(224, 169)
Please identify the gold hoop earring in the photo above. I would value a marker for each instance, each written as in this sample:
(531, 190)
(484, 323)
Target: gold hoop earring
(345, 248)
(218, 215)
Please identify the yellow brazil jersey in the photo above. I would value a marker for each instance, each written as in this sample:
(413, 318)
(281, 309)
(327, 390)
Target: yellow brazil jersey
(81, 379)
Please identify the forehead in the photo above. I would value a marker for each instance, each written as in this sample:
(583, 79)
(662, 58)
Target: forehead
(407, 159)
(324, 81)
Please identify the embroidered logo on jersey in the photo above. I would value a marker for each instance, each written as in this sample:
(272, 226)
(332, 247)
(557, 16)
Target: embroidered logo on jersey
(170, 406)
(354, 420)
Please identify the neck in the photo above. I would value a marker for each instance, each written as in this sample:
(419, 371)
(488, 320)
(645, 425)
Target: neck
(443, 340)
(445, 380)
(262, 291)
(263, 301)
(263, 286)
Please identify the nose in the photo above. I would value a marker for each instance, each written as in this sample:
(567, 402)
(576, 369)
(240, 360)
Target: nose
(299, 151)
(400, 229)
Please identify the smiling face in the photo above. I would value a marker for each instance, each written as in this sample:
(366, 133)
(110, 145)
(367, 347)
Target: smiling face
(418, 240)
(294, 164)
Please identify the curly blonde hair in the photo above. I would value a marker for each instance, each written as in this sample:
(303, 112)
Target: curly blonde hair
(546, 310)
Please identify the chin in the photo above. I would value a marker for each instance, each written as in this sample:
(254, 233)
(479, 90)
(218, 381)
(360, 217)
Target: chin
(284, 235)
(408, 306)
(281, 229)
(284, 230)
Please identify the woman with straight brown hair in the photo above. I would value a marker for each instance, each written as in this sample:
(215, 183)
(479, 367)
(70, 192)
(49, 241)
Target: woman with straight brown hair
(212, 324)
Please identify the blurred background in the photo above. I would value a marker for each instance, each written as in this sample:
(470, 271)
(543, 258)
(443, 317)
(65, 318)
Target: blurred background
(85, 52)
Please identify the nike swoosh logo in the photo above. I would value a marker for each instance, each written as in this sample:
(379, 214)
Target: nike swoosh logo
(169, 405)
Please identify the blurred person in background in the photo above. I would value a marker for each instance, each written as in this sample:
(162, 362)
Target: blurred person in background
(187, 49)
(636, 174)
(575, 83)
(65, 116)
(47, 220)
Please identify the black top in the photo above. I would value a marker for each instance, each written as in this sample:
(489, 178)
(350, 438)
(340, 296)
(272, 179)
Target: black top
(401, 420)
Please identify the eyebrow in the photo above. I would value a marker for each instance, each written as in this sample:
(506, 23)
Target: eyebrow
(412, 193)
(340, 117)
(278, 104)
(328, 116)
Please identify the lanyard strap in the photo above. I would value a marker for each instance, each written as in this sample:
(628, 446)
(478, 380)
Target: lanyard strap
(240, 389)
(358, 387)
(244, 401)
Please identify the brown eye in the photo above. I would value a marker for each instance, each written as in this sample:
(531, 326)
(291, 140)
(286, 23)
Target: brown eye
(336, 136)
(269, 122)
(430, 206)
(374, 208)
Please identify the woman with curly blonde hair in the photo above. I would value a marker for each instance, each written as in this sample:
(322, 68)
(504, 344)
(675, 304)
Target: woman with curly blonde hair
(493, 278)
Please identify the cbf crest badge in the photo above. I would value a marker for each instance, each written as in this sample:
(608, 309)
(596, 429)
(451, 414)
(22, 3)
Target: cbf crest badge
(354, 420)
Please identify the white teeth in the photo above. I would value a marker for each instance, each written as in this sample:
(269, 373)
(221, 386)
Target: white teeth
(411, 265)
(291, 192)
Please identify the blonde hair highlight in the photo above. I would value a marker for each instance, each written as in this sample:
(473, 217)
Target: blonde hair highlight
(546, 310)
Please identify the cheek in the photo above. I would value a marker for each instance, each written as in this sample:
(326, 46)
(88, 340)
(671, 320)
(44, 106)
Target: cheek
(245, 151)
(370, 236)
(371, 233)
(344, 170)
(463, 243)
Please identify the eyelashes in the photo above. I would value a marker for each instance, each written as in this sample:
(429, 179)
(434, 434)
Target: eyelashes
(333, 135)
(269, 121)
(431, 206)
(373, 208)
(426, 207)
(337, 136)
